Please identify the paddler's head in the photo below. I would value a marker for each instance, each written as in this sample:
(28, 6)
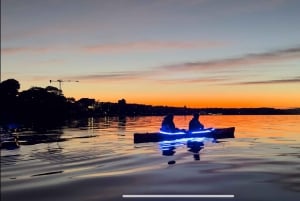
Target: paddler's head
(170, 117)
(196, 115)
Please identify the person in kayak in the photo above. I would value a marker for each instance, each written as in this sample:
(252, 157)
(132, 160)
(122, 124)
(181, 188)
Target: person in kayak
(195, 124)
(168, 124)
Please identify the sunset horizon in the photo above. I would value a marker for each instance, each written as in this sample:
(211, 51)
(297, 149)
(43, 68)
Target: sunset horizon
(197, 54)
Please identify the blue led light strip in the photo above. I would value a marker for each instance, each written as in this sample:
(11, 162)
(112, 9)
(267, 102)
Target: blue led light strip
(182, 133)
(170, 133)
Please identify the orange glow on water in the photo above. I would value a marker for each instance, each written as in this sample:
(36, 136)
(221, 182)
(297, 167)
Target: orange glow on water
(261, 126)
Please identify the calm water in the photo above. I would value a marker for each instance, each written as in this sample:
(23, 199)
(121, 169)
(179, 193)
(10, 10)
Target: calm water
(96, 159)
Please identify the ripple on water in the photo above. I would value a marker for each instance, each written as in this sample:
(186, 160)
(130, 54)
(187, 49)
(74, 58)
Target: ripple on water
(101, 162)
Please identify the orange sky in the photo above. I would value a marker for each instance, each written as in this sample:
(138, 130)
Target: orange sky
(188, 53)
(280, 96)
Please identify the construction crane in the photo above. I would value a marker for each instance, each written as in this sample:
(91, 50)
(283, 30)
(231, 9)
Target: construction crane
(60, 81)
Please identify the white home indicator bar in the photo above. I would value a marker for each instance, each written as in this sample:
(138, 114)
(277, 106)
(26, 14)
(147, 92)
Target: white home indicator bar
(178, 196)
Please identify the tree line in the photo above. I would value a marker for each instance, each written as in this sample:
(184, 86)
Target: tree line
(49, 104)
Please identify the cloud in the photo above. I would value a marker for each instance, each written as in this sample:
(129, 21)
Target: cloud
(238, 62)
(146, 46)
(228, 70)
(276, 81)
(112, 76)
(141, 46)
(17, 50)
(214, 80)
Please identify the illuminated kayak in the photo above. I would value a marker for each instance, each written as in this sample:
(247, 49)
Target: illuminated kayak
(217, 133)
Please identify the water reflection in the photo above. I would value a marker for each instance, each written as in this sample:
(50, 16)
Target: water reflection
(33, 137)
(28, 133)
(264, 161)
(8, 141)
(90, 124)
(194, 145)
(10, 160)
(122, 125)
(15, 135)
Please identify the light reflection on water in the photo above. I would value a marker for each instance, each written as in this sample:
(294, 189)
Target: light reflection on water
(266, 148)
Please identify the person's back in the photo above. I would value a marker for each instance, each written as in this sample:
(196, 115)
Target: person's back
(194, 124)
(168, 124)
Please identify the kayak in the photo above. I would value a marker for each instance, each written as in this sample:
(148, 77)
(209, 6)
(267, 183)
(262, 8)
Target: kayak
(217, 133)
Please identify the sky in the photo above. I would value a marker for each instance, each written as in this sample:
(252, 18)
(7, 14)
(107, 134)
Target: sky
(193, 53)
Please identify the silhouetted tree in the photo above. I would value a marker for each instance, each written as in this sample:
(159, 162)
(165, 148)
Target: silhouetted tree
(9, 88)
(38, 103)
(86, 106)
(71, 100)
(122, 109)
(51, 89)
(8, 105)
